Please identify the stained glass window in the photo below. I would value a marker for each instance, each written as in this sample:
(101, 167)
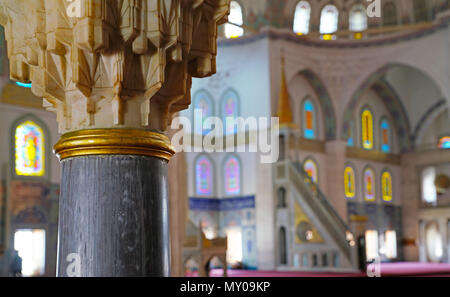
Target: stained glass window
(350, 141)
(203, 108)
(309, 120)
(386, 186)
(358, 18)
(233, 29)
(232, 176)
(444, 142)
(367, 129)
(385, 136)
(349, 182)
(329, 19)
(230, 109)
(421, 13)
(369, 185)
(29, 149)
(310, 168)
(204, 176)
(301, 18)
(390, 14)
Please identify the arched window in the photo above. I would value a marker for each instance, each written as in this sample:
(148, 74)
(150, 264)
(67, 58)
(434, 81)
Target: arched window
(309, 120)
(232, 175)
(372, 246)
(310, 168)
(390, 14)
(283, 246)
(386, 186)
(444, 142)
(329, 19)
(230, 109)
(282, 149)
(204, 176)
(429, 192)
(433, 240)
(349, 182)
(351, 131)
(358, 18)
(29, 149)
(367, 129)
(385, 136)
(203, 108)
(301, 18)
(369, 185)
(281, 197)
(233, 29)
(421, 13)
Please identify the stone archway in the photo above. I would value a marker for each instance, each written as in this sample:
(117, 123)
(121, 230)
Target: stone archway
(326, 104)
(389, 96)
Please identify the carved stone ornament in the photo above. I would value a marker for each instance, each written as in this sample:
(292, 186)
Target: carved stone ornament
(112, 63)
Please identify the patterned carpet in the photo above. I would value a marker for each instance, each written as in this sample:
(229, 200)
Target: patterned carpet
(386, 270)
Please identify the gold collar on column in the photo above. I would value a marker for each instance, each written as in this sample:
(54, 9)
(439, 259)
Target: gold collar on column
(114, 142)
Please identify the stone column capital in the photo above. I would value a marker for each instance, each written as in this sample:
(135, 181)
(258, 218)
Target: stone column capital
(112, 63)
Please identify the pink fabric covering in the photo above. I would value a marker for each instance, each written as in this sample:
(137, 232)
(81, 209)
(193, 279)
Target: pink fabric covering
(414, 268)
(387, 269)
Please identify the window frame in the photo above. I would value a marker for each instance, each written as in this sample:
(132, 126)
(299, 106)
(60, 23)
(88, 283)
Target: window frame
(357, 7)
(235, 25)
(213, 176)
(348, 165)
(297, 19)
(386, 24)
(222, 108)
(384, 119)
(384, 171)
(311, 159)
(194, 104)
(374, 186)
(314, 120)
(225, 161)
(367, 108)
(335, 21)
(47, 148)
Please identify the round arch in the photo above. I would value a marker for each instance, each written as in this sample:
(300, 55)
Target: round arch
(427, 118)
(329, 116)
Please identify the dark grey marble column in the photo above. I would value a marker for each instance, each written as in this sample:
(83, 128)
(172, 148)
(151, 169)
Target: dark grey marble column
(113, 217)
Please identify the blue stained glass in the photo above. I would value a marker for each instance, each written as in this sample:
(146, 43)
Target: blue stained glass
(309, 120)
(23, 84)
(385, 137)
(444, 142)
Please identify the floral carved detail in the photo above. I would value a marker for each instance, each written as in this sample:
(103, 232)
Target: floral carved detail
(112, 63)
